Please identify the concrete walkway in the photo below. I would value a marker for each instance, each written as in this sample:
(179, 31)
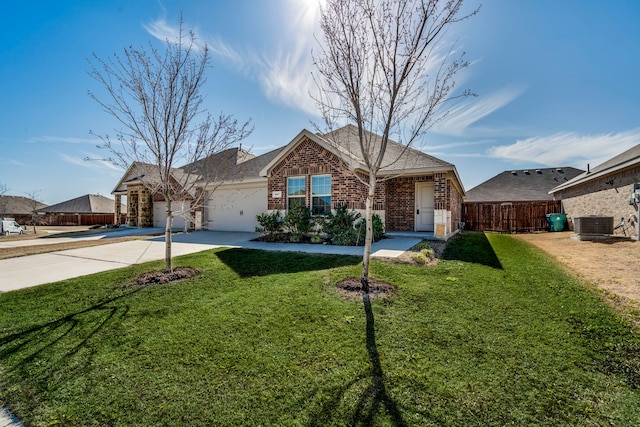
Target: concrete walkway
(35, 270)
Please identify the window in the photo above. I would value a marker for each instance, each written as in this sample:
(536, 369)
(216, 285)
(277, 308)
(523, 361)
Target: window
(321, 194)
(296, 191)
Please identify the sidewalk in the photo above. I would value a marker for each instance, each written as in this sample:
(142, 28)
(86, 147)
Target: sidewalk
(33, 270)
(8, 420)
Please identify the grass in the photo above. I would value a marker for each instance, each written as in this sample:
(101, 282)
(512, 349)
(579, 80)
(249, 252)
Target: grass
(496, 334)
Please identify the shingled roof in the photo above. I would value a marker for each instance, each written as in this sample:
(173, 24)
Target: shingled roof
(89, 203)
(344, 142)
(521, 185)
(18, 205)
(397, 157)
(627, 159)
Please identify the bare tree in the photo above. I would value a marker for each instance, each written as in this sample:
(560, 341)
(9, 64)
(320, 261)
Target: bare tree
(157, 99)
(382, 67)
(34, 204)
(4, 189)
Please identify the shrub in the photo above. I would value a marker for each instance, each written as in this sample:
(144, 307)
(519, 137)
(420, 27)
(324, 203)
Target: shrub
(270, 223)
(422, 245)
(377, 225)
(298, 221)
(348, 228)
(339, 227)
(425, 253)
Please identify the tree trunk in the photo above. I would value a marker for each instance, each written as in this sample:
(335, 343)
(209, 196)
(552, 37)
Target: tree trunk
(167, 235)
(368, 240)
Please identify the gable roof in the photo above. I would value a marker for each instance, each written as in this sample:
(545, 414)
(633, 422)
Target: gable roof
(18, 205)
(227, 165)
(241, 166)
(89, 203)
(521, 185)
(144, 173)
(627, 159)
(235, 165)
(397, 157)
(344, 142)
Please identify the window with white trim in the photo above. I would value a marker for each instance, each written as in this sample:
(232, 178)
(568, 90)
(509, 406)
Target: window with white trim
(321, 194)
(296, 191)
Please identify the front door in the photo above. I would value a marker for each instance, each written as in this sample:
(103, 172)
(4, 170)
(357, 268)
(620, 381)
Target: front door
(424, 206)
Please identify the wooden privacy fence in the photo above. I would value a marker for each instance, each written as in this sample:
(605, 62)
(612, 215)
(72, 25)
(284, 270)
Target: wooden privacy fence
(509, 217)
(79, 219)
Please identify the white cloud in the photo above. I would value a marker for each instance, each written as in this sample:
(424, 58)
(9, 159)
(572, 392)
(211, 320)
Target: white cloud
(164, 31)
(15, 162)
(89, 162)
(568, 148)
(428, 147)
(285, 75)
(64, 140)
(469, 111)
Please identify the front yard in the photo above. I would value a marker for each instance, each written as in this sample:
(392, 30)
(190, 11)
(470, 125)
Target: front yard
(495, 334)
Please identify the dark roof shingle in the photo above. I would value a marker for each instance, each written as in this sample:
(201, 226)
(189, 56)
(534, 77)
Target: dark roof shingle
(18, 205)
(89, 203)
(629, 158)
(521, 185)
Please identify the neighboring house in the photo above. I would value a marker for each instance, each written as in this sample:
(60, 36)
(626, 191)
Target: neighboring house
(419, 193)
(521, 185)
(605, 190)
(515, 200)
(18, 207)
(90, 209)
(138, 186)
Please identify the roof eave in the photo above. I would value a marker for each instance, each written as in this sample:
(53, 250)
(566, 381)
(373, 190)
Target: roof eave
(346, 157)
(588, 176)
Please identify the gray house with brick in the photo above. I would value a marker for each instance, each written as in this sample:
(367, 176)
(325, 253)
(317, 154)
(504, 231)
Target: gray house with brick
(608, 189)
(515, 200)
(418, 192)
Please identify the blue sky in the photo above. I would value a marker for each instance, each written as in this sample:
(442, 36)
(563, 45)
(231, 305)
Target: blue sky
(557, 83)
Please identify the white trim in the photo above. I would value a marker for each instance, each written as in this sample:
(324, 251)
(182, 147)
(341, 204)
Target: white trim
(329, 194)
(303, 197)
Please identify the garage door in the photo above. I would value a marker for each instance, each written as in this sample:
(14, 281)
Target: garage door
(180, 214)
(235, 209)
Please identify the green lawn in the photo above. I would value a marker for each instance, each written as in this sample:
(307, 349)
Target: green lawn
(496, 334)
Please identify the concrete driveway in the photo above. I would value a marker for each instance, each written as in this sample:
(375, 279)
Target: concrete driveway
(33, 270)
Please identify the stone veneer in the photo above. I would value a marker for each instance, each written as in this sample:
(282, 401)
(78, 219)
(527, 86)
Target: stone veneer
(394, 198)
(139, 206)
(605, 196)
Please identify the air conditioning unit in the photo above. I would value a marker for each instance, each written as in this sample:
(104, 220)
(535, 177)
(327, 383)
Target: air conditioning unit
(593, 225)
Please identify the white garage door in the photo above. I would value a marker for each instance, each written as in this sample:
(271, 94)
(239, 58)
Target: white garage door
(180, 214)
(235, 209)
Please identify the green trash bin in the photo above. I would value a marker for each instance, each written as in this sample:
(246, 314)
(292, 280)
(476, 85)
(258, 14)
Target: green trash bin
(557, 221)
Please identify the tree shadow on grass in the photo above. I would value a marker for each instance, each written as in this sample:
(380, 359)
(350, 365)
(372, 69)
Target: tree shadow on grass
(376, 395)
(472, 247)
(41, 349)
(374, 401)
(251, 262)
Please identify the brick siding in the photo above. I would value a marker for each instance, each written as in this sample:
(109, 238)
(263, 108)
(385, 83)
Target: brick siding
(401, 195)
(395, 197)
(604, 197)
(309, 158)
